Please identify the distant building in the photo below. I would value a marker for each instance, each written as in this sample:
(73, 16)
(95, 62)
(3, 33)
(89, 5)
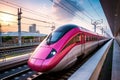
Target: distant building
(37, 31)
(32, 28)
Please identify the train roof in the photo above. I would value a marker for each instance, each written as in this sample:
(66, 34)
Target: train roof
(66, 28)
(86, 30)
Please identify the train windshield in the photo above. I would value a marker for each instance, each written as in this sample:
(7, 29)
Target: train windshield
(59, 33)
(54, 37)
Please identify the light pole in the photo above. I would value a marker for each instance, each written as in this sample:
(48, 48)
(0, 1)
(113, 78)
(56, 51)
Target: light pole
(19, 26)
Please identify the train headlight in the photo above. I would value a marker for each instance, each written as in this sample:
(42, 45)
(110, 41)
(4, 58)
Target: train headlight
(52, 53)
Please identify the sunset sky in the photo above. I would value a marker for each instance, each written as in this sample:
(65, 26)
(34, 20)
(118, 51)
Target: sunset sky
(79, 12)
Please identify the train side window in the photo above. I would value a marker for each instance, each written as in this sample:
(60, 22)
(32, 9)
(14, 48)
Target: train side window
(69, 43)
(80, 37)
(89, 38)
(75, 39)
(85, 37)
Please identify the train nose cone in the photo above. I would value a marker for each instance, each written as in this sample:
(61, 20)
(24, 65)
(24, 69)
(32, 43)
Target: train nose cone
(42, 53)
(38, 58)
(35, 64)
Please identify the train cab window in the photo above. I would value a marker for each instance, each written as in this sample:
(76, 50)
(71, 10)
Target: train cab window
(59, 33)
(54, 37)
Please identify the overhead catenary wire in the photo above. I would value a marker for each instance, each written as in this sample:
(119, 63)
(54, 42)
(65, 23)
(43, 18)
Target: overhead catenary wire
(79, 10)
(23, 23)
(64, 9)
(69, 10)
(14, 5)
(8, 13)
(35, 19)
(34, 12)
(26, 17)
(94, 8)
(8, 5)
(31, 11)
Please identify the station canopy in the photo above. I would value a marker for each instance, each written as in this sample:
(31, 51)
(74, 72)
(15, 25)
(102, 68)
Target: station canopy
(111, 9)
(22, 34)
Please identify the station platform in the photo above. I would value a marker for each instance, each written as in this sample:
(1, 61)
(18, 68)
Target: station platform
(16, 45)
(116, 62)
(8, 62)
(90, 69)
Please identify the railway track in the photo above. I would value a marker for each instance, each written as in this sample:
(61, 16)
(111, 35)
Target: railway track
(17, 49)
(9, 52)
(23, 72)
(19, 70)
(64, 74)
(16, 70)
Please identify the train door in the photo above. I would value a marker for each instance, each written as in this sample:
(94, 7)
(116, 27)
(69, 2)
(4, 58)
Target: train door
(82, 43)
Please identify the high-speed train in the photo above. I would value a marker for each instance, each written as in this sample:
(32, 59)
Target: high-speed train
(62, 47)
